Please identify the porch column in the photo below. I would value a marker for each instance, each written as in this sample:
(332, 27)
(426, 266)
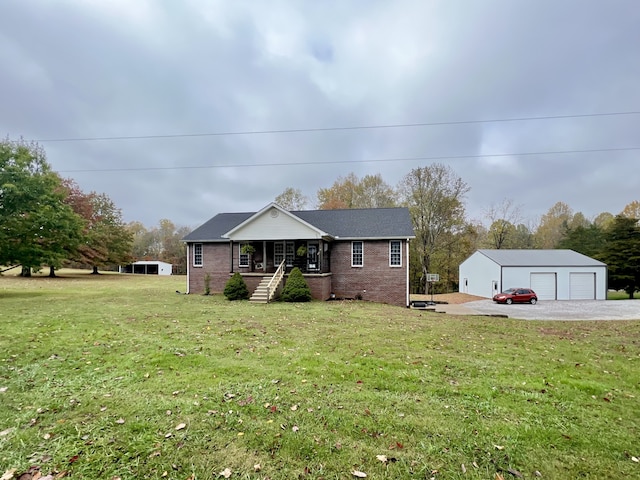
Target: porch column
(264, 256)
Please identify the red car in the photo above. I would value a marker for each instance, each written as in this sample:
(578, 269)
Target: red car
(516, 295)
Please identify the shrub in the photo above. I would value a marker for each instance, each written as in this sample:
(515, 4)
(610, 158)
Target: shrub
(207, 284)
(236, 288)
(296, 288)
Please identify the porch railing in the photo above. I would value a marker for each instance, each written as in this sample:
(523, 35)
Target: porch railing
(275, 281)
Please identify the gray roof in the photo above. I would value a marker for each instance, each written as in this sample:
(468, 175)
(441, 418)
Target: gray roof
(540, 258)
(346, 224)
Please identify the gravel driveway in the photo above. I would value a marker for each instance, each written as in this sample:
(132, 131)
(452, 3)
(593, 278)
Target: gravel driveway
(562, 309)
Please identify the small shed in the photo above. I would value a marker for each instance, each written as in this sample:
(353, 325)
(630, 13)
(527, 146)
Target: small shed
(552, 274)
(147, 267)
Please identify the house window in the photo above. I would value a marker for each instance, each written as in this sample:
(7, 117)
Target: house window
(290, 253)
(357, 251)
(243, 259)
(278, 253)
(395, 253)
(197, 254)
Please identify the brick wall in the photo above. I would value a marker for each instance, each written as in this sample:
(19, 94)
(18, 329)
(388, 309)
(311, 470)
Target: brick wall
(375, 281)
(215, 262)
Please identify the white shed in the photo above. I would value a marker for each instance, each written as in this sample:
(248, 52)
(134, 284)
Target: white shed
(147, 267)
(552, 274)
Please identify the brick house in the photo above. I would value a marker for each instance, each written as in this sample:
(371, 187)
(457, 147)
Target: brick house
(355, 253)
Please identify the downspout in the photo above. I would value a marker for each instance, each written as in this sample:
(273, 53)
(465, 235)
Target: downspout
(231, 255)
(188, 269)
(407, 267)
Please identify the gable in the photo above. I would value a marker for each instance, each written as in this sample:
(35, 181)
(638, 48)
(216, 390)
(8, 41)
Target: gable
(274, 223)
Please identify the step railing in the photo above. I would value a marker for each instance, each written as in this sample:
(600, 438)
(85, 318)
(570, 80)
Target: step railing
(272, 286)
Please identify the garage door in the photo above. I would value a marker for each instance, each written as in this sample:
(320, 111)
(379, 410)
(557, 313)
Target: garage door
(582, 286)
(544, 284)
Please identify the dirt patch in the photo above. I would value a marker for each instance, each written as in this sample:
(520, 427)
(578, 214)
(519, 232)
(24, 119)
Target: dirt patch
(451, 298)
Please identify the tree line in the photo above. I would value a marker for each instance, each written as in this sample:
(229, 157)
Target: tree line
(48, 221)
(445, 236)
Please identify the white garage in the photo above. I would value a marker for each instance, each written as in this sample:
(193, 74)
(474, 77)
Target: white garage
(552, 274)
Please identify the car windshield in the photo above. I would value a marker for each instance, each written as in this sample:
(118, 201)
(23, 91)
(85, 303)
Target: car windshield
(510, 290)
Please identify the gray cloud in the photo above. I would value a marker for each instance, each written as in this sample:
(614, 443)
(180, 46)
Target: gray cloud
(99, 69)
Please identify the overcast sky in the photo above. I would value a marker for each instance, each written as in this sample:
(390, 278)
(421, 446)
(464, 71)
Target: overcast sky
(121, 68)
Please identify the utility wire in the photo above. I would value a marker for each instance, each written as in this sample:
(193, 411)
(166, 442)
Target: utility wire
(335, 129)
(331, 162)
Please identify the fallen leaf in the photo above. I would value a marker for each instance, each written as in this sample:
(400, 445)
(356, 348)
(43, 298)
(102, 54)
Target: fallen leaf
(499, 447)
(120, 421)
(635, 459)
(257, 467)
(294, 408)
(463, 468)
(180, 426)
(295, 428)
(3, 389)
(499, 477)
(515, 473)
(226, 473)
(358, 474)
(382, 458)
(8, 475)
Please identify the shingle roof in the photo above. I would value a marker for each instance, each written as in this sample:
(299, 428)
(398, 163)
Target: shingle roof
(347, 224)
(540, 258)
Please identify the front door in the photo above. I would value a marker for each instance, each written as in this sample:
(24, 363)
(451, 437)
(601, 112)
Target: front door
(312, 257)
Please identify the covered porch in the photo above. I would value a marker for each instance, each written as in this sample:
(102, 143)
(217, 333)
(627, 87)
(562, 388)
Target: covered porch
(260, 257)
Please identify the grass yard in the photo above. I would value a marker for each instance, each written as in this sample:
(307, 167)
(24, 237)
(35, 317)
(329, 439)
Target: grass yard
(119, 377)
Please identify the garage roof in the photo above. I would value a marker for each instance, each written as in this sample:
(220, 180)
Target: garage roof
(540, 258)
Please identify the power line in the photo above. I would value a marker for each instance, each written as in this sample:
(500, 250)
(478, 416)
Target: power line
(334, 129)
(331, 162)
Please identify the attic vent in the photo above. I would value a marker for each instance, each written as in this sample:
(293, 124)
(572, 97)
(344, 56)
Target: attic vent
(274, 213)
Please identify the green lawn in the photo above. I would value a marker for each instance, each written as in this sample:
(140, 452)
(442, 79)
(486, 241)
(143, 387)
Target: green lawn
(110, 376)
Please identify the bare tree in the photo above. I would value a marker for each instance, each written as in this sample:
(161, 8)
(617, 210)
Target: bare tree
(292, 199)
(503, 219)
(434, 196)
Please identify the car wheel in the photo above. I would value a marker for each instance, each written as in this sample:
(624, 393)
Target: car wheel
(533, 301)
(508, 301)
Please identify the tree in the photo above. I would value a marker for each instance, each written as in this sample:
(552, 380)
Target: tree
(163, 242)
(38, 228)
(340, 195)
(352, 192)
(374, 192)
(603, 220)
(434, 196)
(292, 199)
(588, 240)
(107, 239)
(631, 210)
(553, 225)
(622, 254)
(502, 224)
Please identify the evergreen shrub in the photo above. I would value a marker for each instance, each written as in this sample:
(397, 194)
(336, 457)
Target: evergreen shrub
(236, 288)
(296, 288)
